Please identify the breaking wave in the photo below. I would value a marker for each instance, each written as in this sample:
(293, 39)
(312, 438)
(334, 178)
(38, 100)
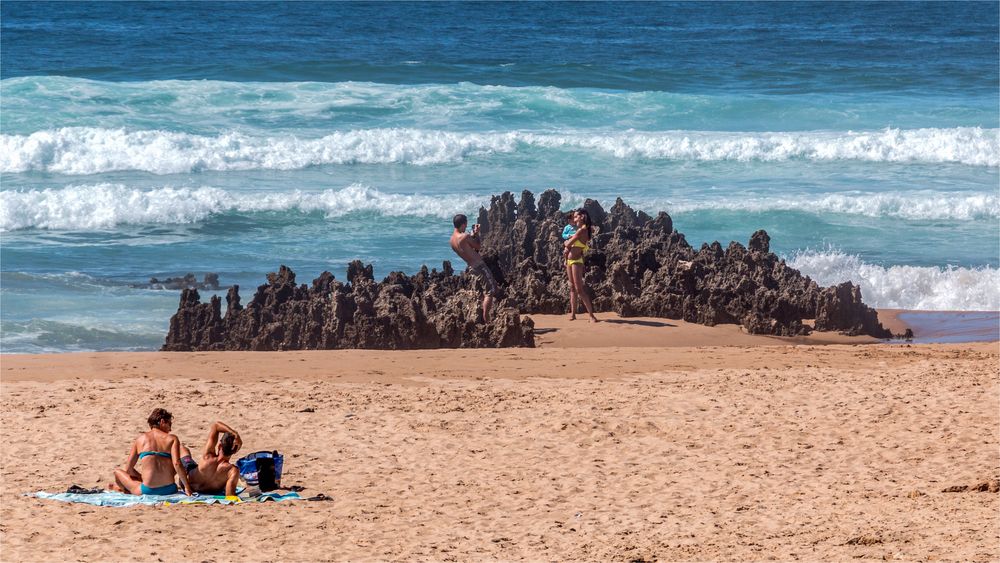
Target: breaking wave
(917, 205)
(92, 150)
(102, 206)
(906, 287)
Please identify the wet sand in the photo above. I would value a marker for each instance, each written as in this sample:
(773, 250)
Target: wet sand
(952, 326)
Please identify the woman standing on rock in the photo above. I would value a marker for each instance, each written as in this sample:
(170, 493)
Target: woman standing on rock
(576, 245)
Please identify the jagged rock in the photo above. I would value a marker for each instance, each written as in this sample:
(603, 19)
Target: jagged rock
(429, 310)
(840, 308)
(760, 242)
(641, 266)
(638, 266)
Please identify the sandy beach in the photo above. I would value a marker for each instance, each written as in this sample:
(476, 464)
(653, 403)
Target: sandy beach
(612, 442)
(329, 225)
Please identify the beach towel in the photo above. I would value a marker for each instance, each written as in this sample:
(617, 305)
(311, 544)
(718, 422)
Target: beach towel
(111, 498)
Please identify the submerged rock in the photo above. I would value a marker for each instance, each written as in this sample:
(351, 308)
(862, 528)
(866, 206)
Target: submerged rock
(188, 281)
(638, 266)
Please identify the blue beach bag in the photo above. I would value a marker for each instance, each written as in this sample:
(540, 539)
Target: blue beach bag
(262, 469)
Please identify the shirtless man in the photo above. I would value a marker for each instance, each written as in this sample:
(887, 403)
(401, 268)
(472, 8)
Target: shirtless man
(467, 246)
(160, 452)
(215, 474)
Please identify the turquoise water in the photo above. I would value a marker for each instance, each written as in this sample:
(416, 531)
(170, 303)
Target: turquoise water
(149, 140)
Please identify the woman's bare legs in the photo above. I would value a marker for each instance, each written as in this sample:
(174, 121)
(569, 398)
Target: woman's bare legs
(581, 288)
(125, 483)
(572, 292)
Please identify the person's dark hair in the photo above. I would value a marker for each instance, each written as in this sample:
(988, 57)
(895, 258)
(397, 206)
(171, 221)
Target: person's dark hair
(586, 221)
(228, 443)
(158, 416)
(460, 221)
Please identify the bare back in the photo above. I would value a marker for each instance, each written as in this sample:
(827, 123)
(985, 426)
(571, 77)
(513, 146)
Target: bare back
(466, 247)
(156, 470)
(212, 474)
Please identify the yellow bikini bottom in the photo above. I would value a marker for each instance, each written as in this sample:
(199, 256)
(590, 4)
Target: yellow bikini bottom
(571, 261)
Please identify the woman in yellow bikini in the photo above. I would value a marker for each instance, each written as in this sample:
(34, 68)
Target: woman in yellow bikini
(576, 245)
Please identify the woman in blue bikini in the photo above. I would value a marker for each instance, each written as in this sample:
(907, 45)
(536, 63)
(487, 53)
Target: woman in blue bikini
(160, 454)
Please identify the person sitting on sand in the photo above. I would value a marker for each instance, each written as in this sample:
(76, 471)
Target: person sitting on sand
(467, 246)
(214, 474)
(575, 246)
(160, 453)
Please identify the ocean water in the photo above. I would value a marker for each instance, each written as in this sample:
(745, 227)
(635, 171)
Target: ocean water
(144, 140)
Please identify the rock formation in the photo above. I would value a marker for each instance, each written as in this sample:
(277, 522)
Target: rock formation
(638, 266)
(429, 310)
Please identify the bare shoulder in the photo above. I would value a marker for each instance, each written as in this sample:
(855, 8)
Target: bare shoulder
(459, 240)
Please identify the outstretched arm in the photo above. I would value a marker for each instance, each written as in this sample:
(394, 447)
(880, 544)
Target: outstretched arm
(175, 458)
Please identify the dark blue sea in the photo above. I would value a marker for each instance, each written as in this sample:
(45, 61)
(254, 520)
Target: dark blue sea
(143, 140)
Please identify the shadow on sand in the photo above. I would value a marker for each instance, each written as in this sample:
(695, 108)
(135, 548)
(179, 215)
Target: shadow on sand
(614, 321)
(636, 322)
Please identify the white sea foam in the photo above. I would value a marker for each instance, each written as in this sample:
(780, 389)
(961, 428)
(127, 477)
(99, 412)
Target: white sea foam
(90, 150)
(102, 206)
(906, 287)
(964, 145)
(917, 205)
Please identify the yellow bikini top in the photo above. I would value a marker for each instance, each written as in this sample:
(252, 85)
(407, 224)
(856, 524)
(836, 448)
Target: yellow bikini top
(582, 245)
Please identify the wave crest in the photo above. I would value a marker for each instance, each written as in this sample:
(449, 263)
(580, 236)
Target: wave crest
(91, 150)
(906, 287)
(918, 205)
(102, 206)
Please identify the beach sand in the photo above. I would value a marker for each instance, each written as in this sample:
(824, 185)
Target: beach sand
(619, 441)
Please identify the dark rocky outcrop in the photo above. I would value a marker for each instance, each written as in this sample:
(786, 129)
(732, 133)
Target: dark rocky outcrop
(429, 310)
(638, 266)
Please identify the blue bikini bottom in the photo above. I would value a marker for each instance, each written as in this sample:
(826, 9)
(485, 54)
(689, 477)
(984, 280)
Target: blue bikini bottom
(170, 489)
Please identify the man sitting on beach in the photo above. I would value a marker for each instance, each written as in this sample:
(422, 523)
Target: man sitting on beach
(214, 474)
(160, 453)
(467, 246)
